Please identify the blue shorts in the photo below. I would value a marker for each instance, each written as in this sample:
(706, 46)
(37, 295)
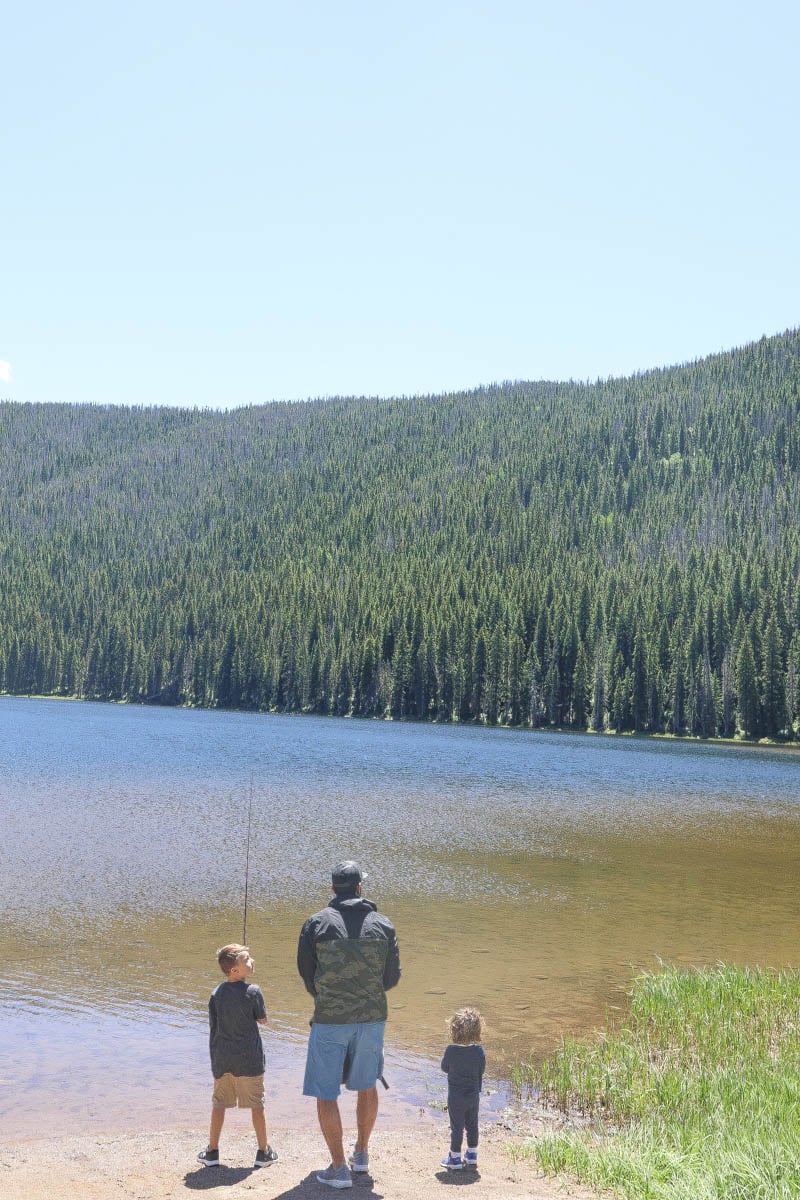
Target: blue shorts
(329, 1045)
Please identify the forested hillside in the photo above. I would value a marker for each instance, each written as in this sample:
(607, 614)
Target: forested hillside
(621, 555)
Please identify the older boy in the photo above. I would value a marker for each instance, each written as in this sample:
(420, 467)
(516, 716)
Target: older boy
(235, 1011)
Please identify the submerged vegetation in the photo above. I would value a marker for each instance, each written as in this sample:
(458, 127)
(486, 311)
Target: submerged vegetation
(695, 1095)
(623, 555)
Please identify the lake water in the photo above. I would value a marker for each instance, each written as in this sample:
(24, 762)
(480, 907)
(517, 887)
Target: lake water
(528, 873)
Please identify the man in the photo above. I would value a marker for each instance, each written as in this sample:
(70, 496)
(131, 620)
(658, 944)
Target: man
(348, 958)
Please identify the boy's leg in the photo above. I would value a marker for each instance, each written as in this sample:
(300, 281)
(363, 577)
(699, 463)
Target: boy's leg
(260, 1126)
(224, 1096)
(215, 1129)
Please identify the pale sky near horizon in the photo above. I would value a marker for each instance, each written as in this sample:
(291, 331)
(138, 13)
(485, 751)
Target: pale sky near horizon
(228, 204)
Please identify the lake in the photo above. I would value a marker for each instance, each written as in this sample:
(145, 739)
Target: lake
(526, 872)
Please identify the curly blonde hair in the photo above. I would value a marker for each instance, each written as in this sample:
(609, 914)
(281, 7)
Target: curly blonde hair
(466, 1027)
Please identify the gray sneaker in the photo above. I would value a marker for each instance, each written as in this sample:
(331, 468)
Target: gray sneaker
(338, 1177)
(359, 1161)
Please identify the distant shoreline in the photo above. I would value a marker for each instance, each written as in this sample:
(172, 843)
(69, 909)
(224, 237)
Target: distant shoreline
(625, 735)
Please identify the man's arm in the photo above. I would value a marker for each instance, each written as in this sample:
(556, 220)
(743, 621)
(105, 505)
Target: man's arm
(307, 958)
(391, 971)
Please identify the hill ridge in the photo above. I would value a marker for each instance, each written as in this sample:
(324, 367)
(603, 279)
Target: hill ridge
(620, 554)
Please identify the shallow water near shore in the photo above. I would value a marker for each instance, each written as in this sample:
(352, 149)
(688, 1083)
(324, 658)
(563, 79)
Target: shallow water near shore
(529, 873)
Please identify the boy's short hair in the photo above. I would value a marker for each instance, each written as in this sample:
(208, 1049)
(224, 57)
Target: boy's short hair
(466, 1026)
(228, 956)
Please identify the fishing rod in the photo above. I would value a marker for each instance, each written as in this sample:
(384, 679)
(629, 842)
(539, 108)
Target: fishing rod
(247, 859)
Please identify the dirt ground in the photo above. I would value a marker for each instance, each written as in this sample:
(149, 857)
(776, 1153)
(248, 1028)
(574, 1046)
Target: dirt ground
(404, 1165)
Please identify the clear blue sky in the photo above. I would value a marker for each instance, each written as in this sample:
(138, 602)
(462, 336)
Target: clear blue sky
(232, 203)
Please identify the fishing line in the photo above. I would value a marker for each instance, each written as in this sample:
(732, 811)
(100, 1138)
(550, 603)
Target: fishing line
(247, 860)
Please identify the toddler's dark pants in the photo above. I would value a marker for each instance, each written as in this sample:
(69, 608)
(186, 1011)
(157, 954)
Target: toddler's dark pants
(463, 1114)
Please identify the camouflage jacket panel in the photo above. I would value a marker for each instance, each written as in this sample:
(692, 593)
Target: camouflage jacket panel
(349, 981)
(348, 958)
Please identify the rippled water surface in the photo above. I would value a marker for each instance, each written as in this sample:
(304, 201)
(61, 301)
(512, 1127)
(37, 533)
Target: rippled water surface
(529, 873)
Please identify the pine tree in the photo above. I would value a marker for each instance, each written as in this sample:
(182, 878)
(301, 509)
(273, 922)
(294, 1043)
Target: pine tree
(677, 680)
(773, 702)
(599, 686)
(747, 687)
(638, 684)
(727, 701)
(581, 684)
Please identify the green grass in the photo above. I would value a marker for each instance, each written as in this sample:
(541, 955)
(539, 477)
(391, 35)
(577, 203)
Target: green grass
(693, 1095)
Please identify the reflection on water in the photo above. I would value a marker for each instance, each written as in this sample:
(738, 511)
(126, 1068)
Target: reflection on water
(526, 873)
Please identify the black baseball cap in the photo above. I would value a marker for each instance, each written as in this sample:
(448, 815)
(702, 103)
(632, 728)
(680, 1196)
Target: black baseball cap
(347, 874)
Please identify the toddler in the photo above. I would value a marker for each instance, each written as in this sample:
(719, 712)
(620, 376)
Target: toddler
(464, 1062)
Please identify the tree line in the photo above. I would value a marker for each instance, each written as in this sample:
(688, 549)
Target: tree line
(620, 555)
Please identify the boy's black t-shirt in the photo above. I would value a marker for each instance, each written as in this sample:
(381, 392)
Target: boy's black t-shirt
(234, 1040)
(464, 1066)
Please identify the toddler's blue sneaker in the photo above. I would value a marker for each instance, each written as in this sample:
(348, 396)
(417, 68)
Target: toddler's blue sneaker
(471, 1158)
(453, 1162)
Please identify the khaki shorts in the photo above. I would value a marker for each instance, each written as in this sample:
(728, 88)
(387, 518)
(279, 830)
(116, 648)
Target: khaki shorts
(246, 1091)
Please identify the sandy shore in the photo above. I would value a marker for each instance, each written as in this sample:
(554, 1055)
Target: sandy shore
(404, 1165)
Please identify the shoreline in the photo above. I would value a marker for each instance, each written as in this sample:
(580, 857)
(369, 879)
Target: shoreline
(404, 1165)
(625, 734)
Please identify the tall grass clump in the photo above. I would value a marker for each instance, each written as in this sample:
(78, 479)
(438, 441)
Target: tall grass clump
(693, 1095)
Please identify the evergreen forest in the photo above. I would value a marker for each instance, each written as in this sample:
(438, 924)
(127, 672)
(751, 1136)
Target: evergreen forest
(621, 555)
